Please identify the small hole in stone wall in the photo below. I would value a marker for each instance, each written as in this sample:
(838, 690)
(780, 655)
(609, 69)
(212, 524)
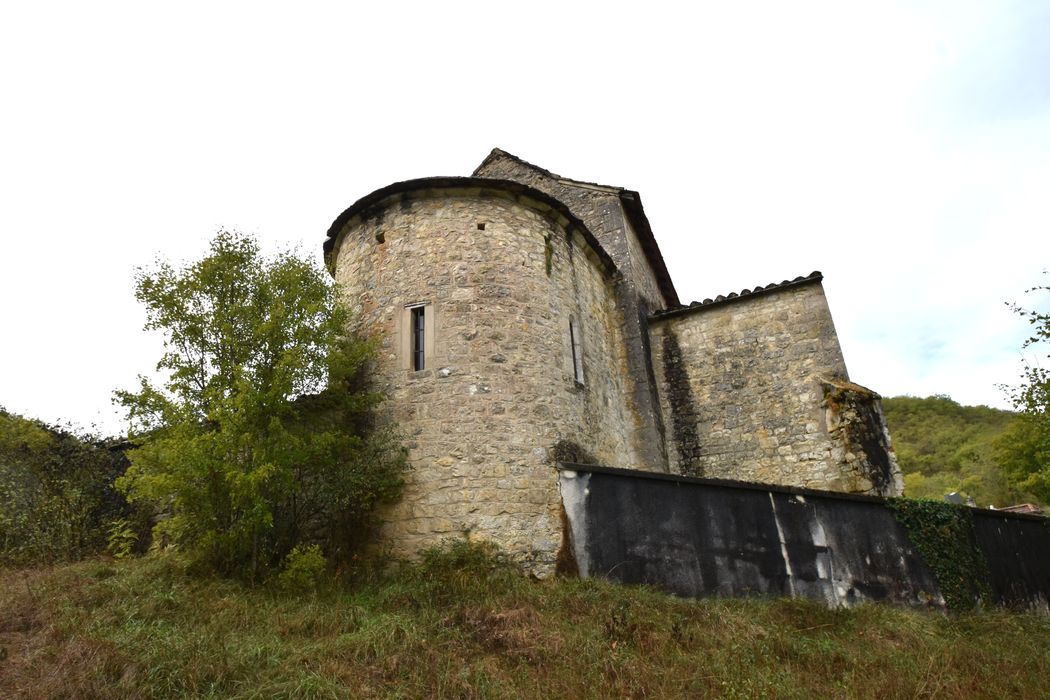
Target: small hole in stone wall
(481, 226)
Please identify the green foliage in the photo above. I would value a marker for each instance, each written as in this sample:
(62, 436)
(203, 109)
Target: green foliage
(944, 447)
(302, 570)
(1025, 451)
(56, 491)
(261, 435)
(460, 564)
(454, 557)
(121, 538)
(943, 534)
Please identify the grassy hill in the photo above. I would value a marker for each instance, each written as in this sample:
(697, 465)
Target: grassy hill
(944, 447)
(463, 625)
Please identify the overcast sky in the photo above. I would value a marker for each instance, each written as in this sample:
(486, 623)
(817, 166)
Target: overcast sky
(903, 150)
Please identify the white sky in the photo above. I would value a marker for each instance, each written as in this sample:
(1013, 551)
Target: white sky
(903, 150)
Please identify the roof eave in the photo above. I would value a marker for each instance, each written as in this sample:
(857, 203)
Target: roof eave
(733, 297)
(517, 189)
(632, 205)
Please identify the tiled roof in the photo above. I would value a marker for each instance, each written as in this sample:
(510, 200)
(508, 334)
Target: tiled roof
(737, 296)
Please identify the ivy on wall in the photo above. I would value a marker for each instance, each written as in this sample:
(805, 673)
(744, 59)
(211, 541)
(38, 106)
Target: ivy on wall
(943, 534)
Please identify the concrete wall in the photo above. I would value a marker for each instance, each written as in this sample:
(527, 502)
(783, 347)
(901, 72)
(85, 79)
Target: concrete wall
(699, 537)
(497, 400)
(744, 385)
(1017, 549)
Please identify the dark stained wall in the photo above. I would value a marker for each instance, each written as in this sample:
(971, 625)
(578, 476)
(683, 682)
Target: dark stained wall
(1017, 550)
(702, 537)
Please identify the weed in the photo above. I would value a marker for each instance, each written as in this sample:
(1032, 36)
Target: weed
(302, 570)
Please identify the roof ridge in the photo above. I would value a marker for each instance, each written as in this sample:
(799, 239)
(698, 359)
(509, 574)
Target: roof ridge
(814, 276)
(499, 152)
(633, 210)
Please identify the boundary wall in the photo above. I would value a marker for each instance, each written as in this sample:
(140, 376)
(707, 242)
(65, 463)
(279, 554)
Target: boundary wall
(705, 537)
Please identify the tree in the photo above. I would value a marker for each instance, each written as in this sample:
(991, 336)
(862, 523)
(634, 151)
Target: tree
(944, 447)
(56, 491)
(261, 435)
(1025, 450)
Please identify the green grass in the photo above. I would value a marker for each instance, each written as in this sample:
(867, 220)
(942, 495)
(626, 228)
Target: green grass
(462, 625)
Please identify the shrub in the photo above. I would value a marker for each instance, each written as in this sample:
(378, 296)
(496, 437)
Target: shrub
(56, 491)
(261, 437)
(302, 570)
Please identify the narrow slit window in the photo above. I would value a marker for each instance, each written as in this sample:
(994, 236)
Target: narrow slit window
(577, 352)
(418, 338)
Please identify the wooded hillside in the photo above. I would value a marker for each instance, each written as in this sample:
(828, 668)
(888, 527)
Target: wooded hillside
(943, 446)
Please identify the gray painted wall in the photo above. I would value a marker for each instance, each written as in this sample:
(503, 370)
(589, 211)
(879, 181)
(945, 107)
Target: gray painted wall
(703, 537)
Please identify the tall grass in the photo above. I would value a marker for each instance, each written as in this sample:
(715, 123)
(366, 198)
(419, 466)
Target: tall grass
(464, 624)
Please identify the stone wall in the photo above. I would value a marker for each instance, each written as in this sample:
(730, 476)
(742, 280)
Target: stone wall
(857, 427)
(502, 275)
(599, 207)
(642, 276)
(743, 385)
(637, 294)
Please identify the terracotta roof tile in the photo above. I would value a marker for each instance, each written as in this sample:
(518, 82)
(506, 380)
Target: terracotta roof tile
(735, 296)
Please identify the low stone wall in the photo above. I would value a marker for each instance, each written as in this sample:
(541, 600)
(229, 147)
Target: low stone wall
(704, 537)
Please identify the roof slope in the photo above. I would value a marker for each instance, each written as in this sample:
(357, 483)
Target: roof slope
(632, 206)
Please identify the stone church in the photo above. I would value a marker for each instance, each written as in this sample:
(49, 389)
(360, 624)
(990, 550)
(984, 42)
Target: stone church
(528, 320)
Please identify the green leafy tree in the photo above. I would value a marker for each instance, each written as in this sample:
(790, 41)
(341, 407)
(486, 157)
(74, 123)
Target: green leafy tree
(56, 491)
(1025, 450)
(261, 434)
(944, 447)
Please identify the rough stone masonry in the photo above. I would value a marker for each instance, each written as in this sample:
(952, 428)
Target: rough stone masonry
(527, 319)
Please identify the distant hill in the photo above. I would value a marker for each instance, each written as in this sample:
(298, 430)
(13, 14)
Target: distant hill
(944, 447)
